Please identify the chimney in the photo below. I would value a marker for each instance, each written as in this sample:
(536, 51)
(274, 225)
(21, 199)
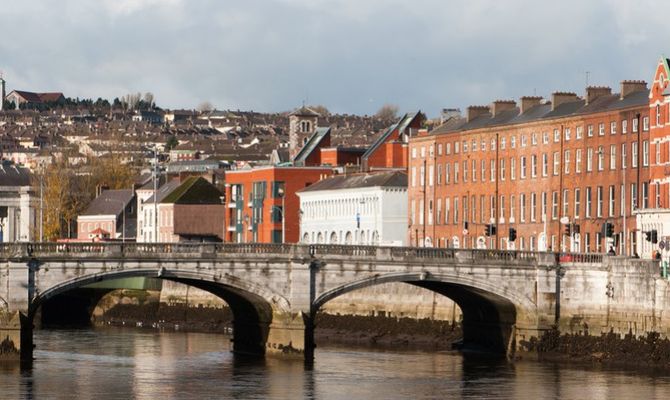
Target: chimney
(628, 87)
(476, 111)
(528, 102)
(593, 92)
(499, 106)
(558, 98)
(449, 113)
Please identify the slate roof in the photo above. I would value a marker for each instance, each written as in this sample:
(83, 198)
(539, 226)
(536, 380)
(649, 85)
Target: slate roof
(305, 112)
(399, 127)
(544, 112)
(312, 143)
(194, 190)
(11, 175)
(163, 191)
(110, 202)
(380, 179)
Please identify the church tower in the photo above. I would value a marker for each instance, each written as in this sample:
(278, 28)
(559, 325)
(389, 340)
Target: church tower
(301, 125)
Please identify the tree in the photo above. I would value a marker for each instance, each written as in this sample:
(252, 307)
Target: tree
(171, 143)
(387, 112)
(149, 100)
(205, 106)
(56, 191)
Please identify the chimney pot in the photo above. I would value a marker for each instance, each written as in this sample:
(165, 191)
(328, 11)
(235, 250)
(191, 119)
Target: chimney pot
(630, 86)
(499, 106)
(528, 102)
(558, 98)
(593, 92)
(476, 111)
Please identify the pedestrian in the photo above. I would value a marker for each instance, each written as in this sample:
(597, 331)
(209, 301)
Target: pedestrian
(657, 256)
(611, 252)
(635, 255)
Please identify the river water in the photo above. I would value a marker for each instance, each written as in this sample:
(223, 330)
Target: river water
(116, 363)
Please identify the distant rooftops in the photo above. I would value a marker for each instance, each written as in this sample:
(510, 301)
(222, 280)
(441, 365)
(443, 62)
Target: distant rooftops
(110, 202)
(11, 175)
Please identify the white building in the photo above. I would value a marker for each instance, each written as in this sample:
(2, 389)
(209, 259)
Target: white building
(146, 209)
(18, 205)
(360, 209)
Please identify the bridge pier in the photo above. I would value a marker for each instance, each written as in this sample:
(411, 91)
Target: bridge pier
(16, 337)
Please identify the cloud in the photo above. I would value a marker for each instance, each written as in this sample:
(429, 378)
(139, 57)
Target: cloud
(351, 56)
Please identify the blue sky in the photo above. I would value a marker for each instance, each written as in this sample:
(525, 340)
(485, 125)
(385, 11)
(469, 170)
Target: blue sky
(351, 56)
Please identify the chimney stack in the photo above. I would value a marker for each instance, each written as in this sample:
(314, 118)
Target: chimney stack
(476, 111)
(528, 102)
(499, 106)
(593, 92)
(628, 87)
(558, 98)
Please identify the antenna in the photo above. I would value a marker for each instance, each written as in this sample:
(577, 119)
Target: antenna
(587, 78)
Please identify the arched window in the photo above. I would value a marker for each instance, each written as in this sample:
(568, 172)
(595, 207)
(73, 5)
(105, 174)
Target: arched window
(333, 238)
(305, 238)
(348, 238)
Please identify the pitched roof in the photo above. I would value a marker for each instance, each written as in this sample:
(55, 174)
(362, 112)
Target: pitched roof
(380, 179)
(163, 190)
(543, 111)
(11, 175)
(110, 202)
(194, 190)
(312, 143)
(399, 128)
(305, 112)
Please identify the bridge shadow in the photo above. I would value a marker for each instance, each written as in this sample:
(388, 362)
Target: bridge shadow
(71, 305)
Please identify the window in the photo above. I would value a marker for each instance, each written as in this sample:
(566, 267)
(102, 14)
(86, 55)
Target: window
(465, 146)
(493, 144)
(447, 173)
(579, 132)
(421, 213)
(599, 202)
(658, 153)
(465, 170)
(657, 202)
(645, 194)
(645, 153)
(474, 170)
(636, 123)
(557, 136)
(533, 165)
(492, 208)
(611, 201)
(501, 217)
(533, 139)
(503, 143)
(624, 126)
(524, 141)
(545, 164)
(613, 128)
(533, 206)
(483, 145)
(512, 141)
(589, 130)
(422, 176)
(430, 212)
(439, 174)
(587, 210)
(423, 152)
(645, 124)
(502, 169)
(554, 205)
(523, 167)
(439, 149)
(601, 158)
(543, 205)
(545, 137)
(566, 161)
(493, 170)
(634, 154)
(474, 144)
(578, 161)
(456, 147)
(622, 208)
(431, 175)
(483, 171)
(438, 216)
(578, 200)
(613, 156)
(601, 129)
(633, 196)
(413, 176)
(431, 151)
(456, 172)
(512, 172)
(522, 207)
(623, 156)
(512, 208)
(447, 206)
(482, 208)
(557, 161)
(413, 152)
(566, 204)
(447, 149)
(567, 134)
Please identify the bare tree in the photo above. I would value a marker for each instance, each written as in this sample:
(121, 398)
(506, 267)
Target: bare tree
(205, 106)
(387, 112)
(149, 99)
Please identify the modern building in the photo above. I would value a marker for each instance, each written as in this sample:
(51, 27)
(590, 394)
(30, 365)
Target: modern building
(358, 209)
(111, 215)
(18, 205)
(261, 203)
(552, 173)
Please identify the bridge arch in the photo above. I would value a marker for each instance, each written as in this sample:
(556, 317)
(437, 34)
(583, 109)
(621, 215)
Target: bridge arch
(490, 313)
(253, 306)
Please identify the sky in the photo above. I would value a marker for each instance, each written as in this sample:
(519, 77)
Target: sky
(352, 56)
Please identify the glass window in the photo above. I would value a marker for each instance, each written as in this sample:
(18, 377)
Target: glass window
(579, 132)
(589, 130)
(578, 161)
(613, 128)
(613, 156)
(624, 126)
(557, 161)
(578, 200)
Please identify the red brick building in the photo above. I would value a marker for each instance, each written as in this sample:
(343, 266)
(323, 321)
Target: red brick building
(527, 166)
(390, 149)
(258, 199)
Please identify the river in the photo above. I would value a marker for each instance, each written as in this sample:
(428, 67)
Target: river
(125, 363)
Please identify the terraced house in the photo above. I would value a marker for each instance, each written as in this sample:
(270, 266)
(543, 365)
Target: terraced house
(569, 173)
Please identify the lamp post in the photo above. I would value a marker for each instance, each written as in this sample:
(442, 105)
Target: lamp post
(282, 194)
(246, 228)
(123, 217)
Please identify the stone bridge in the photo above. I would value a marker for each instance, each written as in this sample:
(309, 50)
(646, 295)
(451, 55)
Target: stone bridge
(274, 290)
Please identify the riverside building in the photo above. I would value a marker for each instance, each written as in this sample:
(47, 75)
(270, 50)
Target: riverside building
(552, 173)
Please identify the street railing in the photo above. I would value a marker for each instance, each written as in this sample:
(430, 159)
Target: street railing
(149, 250)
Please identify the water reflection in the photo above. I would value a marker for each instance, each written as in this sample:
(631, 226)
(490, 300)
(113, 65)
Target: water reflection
(123, 364)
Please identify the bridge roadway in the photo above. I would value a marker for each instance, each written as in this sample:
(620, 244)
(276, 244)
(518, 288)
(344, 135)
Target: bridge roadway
(274, 290)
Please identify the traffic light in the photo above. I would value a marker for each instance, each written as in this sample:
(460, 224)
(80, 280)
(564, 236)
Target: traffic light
(512, 235)
(608, 229)
(575, 228)
(465, 225)
(568, 229)
(490, 230)
(654, 236)
(647, 236)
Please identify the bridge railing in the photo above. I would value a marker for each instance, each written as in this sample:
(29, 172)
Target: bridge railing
(422, 252)
(592, 258)
(340, 250)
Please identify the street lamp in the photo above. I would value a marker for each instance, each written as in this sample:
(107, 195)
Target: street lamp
(246, 228)
(123, 217)
(282, 194)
